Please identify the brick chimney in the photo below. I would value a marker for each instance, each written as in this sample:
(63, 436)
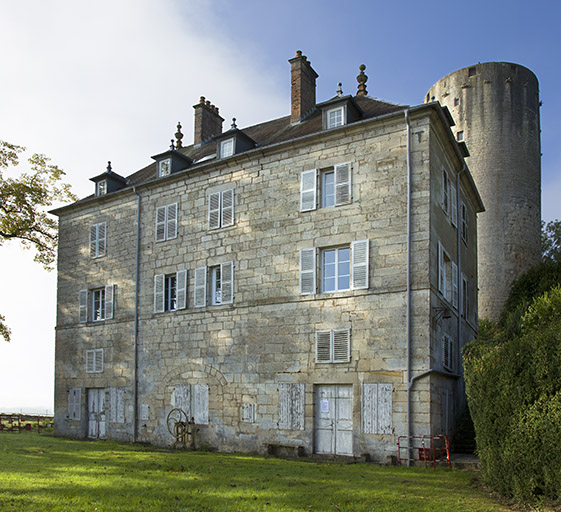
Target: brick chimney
(207, 121)
(303, 87)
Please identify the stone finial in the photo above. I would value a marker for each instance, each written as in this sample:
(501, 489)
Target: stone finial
(172, 145)
(339, 91)
(361, 79)
(234, 125)
(178, 136)
(109, 167)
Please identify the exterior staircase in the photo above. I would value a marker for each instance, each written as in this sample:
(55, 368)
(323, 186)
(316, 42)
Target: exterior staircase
(464, 438)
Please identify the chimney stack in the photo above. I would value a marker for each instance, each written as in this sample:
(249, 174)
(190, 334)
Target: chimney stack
(303, 87)
(207, 121)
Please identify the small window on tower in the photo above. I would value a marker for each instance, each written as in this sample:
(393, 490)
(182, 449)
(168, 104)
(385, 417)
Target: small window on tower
(472, 71)
(456, 101)
(460, 136)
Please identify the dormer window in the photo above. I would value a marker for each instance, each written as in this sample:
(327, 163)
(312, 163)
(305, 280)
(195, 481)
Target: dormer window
(227, 148)
(102, 187)
(164, 167)
(335, 117)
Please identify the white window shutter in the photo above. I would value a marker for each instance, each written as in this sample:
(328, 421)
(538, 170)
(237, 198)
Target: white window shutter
(200, 404)
(214, 210)
(385, 408)
(454, 285)
(308, 190)
(200, 287)
(172, 214)
(441, 271)
(285, 402)
(323, 347)
(93, 241)
(291, 406)
(159, 304)
(359, 255)
(453, 205)
(342, 183)
(83, 306)
(109, 301)
(90, 366)
(181, 399)
(307, 271)
(98, 360)
(181, 288)
(341, 345)
(161, 224)
(370, 408)
(101, 238)
(227, 277)
(248, 413)
(227, 208)
(74, 403)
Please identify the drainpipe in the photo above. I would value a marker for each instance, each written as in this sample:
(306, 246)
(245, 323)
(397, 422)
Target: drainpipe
(136, 287)
(459, 248)
(408, 293)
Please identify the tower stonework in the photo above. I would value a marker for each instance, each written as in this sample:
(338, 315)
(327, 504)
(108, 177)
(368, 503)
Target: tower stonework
(495, 107)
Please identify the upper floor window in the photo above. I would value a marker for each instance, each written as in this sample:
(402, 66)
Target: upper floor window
(448, 352)
(226, 148)
(465, 297)
(219, 285)
(464, 222)
(333, 346)
(98, 239)
(340, 268)
(170, 291)
(335, 117)
(166, 222)
(447, 276)
(101, 187)
(221, 209)
(164, 167)
(94, 360)
(449, 199)
(334, 186)
(96, 305)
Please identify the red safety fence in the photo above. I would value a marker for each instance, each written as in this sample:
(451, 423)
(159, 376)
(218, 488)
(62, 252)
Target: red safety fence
(21, 422)
(426, 449)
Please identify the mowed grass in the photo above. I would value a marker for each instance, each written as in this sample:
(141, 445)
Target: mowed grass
(39, 472)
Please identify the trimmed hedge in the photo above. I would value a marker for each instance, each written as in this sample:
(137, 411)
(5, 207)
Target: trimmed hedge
(513, 385)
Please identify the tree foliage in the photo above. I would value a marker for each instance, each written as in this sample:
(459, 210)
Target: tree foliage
(551, 240)
(23, 204)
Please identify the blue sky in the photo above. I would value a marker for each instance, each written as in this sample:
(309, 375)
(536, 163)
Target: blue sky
(108, 80)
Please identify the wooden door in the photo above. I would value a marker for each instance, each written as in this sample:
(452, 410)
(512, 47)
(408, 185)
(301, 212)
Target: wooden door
(334, 420)
(96, 413)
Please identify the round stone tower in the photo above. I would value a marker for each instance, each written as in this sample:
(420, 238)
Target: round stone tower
(496, 109)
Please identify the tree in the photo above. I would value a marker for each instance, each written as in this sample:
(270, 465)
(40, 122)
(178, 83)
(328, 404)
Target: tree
(551, 240)
(23, 204)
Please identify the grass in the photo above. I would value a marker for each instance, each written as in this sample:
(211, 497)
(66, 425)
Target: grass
(39, 472)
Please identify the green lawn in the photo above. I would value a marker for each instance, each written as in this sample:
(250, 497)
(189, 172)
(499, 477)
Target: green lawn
(41, 472)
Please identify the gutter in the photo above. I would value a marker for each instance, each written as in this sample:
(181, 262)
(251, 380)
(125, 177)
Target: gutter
(136, 330)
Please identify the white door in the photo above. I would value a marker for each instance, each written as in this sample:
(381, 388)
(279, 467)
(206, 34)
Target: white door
(334, 420)
(96, 413)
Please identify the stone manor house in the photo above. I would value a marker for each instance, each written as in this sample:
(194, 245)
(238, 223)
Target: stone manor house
(307, 282)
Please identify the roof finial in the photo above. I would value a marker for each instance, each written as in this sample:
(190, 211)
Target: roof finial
(234, 126)
(108, 166)
(178, 136)
(339, 89)
(172, 145)
(361, 79)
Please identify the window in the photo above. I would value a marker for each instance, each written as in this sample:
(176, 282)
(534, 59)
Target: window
(448, 354)
(447, 276)
(74, 403)
(333, 346)
(449, 198)
(465, 297)
(221, 284)
(464, 222)
(445, 199)
(101, 187)
(221, 209)
(248, 413)
(170, 291)
(166, 222)
(335, 117)
(377, 408)
(164, 167)
(456, 101)
(341, 268)
(226, 148)
(460, 136)
(102, 304)
(94, 361)
(291, 406)
(334, 185)
(98, 239)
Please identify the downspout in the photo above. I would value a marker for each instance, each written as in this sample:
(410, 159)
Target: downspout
(408, 292)
(459, 284)
(136, 289)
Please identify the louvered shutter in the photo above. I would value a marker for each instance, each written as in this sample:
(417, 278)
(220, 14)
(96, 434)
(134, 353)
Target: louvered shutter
(74, 403)
(181, 288)
(307, 271)
(341, 345)
(90, 363)
(441, 271)
(159, 305)
(454, 285)
(172, 211)
(98, 360)
(83, 306)
(445, 191)
(342, 183)
(359, 251)
(101, 238)
(228, 207)
(308, 190)
(323, 347)
(446, 352)
(93, 241)
(200, 404)
(200, 287)
(109, 301)
(161, 224)
(214, 210)
(227, 284)
(453, 205)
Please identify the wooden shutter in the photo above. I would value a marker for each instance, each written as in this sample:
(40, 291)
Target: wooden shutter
(445, 192)
(200, 404)
(454, 285)
(464, 222)
(159, 286)
(83, 306)
(93, 241)
(291, 406)
(101, 238)
(359, 255)
(90, 363)
(308, 190)
(342, 183)
(181, 288)
(453, 205)
(307, 271)
(377, 408)
(447, 352)
(172, 212)
(74, 403)
(117, 405)
(200, 287)
(227, 208)
(248, 413)
(214, 210)
(161, 224)
(182, 399)
(109, 301)
(323, 347)
(465, 297)
(227, 282)
(385, 407)
(441, 271)
(98, 360)
(341, 345)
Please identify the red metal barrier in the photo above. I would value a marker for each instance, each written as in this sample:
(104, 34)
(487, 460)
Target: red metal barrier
(19, 422)
(425, 449)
